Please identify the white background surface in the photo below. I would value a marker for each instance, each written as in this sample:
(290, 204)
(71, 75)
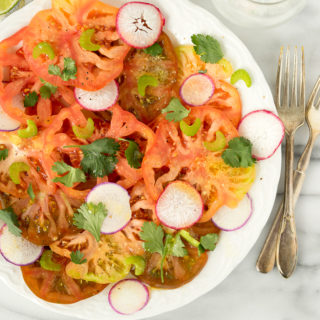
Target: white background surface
(246, 294)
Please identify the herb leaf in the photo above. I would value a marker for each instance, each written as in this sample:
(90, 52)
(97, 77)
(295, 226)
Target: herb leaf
(47, 89)
(177, 247)
(73, 174)
(54, 70)
(11, 220)
(153, 237)
(209, 241)
(134, 155)
(30, 192)
(70, 69)
(175, 110)
(94, 161)
(31, 99)
(4, 154)
(207, 48)
(154, 50)
(77, 257)
(90, 217)
(239, 153)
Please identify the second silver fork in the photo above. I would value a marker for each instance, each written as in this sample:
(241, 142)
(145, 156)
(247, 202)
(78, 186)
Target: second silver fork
(291, 112)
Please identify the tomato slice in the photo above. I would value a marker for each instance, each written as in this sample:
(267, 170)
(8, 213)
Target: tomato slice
(105, 259)
(57, 286)
(62, 27)
(175, 156)
(163, 68)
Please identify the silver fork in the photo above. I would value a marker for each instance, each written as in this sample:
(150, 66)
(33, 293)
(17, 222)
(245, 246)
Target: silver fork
(266, 259)
(291, 112)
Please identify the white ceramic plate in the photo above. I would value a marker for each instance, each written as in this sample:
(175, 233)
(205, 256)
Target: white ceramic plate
(182, 20)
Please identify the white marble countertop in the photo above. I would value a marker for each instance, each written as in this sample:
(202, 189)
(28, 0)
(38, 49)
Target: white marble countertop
(247, 294)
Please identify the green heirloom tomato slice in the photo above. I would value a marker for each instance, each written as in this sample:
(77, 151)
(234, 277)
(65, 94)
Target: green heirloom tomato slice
(43, 48)
(47, 263)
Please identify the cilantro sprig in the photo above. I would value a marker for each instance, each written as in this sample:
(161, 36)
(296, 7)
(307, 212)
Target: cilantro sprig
(72, 175)
(47, 89)
(133, 154)
(4, 154)
(30, 99)
(175, 111)
(99, 157)
(69, 71)
(155, 241)
(31, 192)
(90, 217)
(154, 50)
(11, 220)
(77, 257)
(207, 48)
(239, 153)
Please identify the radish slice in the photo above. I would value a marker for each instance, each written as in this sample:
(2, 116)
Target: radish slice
(197, 89)
(265, 130)
(228, 219)
(139, 24)
(179, 206)
(117, 201)
(18, 250)
(98, 100)
(7, 123)
(128, 296)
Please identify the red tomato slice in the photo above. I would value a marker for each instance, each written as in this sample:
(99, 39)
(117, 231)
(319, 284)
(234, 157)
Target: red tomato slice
(163, 68)
(175, 156)
(57, 286)
(62, 27)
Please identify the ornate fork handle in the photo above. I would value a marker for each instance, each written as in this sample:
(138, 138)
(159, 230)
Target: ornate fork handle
(266, 259)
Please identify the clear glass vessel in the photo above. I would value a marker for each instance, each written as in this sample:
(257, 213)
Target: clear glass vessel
(258, 13)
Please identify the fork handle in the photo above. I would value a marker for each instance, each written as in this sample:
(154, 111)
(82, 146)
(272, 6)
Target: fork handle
(266, 260)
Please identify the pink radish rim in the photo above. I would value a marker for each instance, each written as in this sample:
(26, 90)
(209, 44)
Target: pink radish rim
(243, 224)
(9, 130)
(283, 129)
(100, 184)
(184, 227)
(197, 75)
(144, 3)
(115, 285)
(103, 108)
(16, 264)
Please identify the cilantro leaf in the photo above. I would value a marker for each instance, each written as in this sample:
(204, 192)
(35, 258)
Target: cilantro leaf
(209, 241)
(47, 89)
(54, 70)
(31, 99)
(207, 48)
(153, 237)
(154, 50)
(77, 257)
(30, 192)
(4, 154)
(90, 217)
(73, 174)
(175, 110)
(177, 247)
(239, 153)
(133, 155)
(94, 161)
(11, 220)
(70, 69)
(203, 71)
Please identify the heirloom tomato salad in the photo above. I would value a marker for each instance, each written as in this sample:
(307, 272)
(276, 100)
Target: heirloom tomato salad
(121, 156)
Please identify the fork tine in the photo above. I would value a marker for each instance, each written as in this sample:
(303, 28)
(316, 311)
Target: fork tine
(302, 79)
(279, 79)
(314, 93)
(294, 93)
(286, 80)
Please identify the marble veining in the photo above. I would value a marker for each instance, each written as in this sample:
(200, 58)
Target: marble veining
(247, 294)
